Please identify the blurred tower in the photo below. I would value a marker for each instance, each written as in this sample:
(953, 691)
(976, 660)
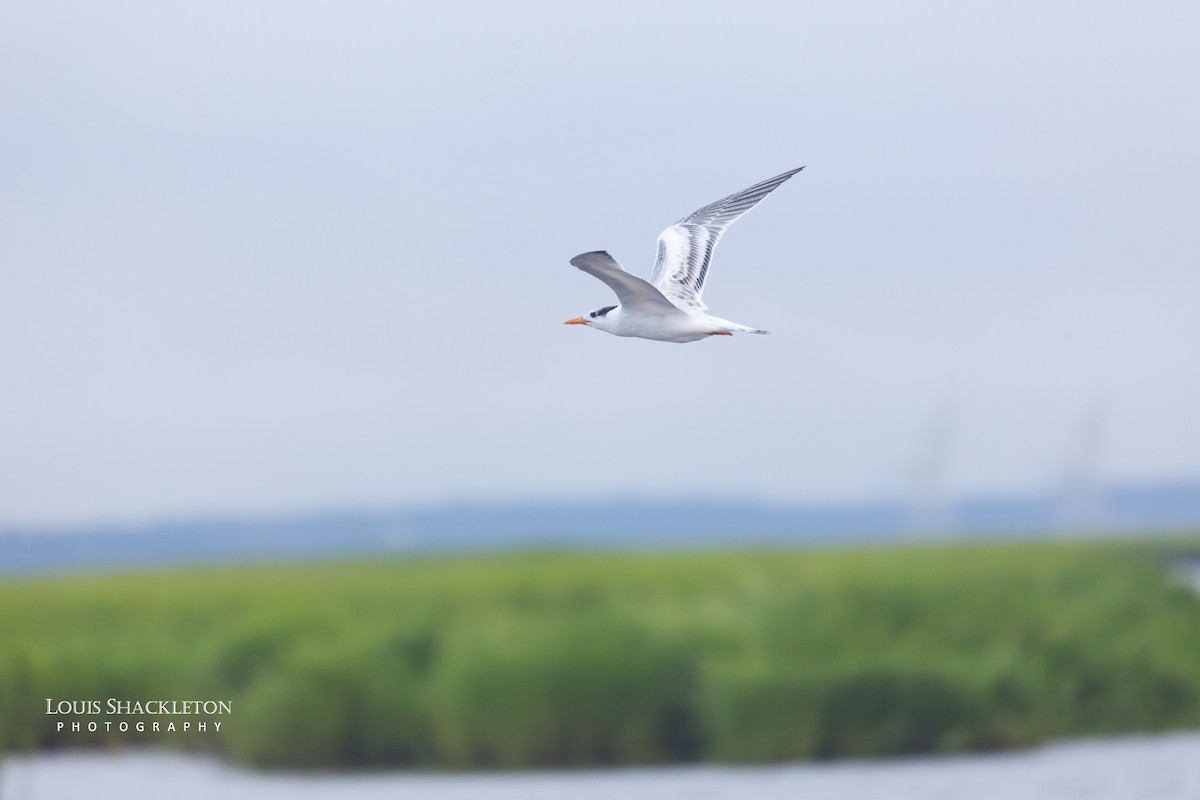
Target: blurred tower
(930, 511)
(1081, 506)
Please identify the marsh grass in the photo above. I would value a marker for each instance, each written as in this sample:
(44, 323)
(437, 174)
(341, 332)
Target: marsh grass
(584, 659)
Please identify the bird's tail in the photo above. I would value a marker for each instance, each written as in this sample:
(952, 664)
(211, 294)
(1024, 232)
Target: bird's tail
(733, 327)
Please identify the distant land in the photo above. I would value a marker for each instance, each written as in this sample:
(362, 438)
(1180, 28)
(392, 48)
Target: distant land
(610, 524)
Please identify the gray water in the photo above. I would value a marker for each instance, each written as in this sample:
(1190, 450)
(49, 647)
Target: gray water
(1165, 767)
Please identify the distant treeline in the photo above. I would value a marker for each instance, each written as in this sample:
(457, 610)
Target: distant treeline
(462, 528)
(553, 659)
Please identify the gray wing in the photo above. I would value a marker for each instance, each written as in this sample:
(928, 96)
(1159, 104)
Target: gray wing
(632, 291)
(685, 249)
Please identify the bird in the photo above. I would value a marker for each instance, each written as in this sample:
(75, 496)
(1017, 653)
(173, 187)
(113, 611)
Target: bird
(668, 308)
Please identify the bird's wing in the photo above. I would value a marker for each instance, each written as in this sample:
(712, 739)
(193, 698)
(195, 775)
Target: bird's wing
(685, 248)
(632, 292)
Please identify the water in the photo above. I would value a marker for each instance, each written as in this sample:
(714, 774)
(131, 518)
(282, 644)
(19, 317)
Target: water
(1165, 767)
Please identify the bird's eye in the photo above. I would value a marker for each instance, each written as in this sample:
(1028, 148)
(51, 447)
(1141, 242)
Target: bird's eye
(593, 315)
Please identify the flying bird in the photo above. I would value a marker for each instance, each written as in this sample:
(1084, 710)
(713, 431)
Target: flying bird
(668, 306)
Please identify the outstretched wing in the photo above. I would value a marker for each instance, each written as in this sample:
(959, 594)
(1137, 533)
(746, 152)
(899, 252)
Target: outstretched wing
(632, 291)
(685, 249)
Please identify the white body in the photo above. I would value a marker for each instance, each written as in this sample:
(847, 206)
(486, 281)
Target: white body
(668, 307)
(681, 326)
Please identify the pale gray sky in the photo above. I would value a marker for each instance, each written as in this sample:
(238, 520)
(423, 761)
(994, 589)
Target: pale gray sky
(280, 256)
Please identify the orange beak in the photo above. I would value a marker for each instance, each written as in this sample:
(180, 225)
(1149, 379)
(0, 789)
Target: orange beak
(576, 321)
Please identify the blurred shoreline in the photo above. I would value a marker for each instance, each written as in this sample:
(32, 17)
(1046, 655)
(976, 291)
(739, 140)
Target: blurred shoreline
(576, 659)
(1163, 766)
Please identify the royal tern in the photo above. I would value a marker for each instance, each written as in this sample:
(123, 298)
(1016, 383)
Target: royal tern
(668, 306)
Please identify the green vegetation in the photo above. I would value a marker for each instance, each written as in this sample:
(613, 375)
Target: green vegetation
(572, 659)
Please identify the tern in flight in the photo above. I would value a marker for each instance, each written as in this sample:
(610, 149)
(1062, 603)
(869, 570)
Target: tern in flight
(668, 306)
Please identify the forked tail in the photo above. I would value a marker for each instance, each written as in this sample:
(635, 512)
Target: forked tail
(734, 327)
(745, 329)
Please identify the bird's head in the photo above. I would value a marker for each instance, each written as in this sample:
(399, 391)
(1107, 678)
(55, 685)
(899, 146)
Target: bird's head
(597, 319)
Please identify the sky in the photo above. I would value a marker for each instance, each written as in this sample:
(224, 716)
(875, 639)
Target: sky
(280, 257)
